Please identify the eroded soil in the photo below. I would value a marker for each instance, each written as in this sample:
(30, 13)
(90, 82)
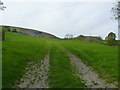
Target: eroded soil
(36, 75)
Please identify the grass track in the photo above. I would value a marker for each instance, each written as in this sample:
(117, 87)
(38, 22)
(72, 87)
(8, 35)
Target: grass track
(61, 74)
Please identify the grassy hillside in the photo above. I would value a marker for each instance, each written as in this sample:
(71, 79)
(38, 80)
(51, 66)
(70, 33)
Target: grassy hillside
(18, 49)
(104, 59)
(27, 31)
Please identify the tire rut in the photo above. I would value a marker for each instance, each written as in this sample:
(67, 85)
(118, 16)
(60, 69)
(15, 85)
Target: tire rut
(86, 73)
(36, 75)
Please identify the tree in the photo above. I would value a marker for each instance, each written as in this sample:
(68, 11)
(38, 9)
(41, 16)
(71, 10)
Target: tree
(106, 38)
(111, 36)
(111, 39)
(7, 28)
(116, 14)
(116, 10)
(2, 7)
(68, 36)
(3, 33)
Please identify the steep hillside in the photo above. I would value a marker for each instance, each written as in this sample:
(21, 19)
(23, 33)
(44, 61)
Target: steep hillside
(27, 31)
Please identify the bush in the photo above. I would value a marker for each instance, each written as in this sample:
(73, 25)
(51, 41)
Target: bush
(112, 42)
(14, 30)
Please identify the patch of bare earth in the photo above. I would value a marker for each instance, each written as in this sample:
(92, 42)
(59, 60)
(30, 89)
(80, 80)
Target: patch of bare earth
(86, 73)
(36, 75)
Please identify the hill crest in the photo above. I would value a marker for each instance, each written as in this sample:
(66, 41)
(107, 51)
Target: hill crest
(27, 31)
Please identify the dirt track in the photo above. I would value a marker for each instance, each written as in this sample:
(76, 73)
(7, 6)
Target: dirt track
(87, 74)
(36, 75)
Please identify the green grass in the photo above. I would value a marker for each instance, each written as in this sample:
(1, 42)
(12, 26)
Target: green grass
(0, 64)
(104, 59)
(61, 74)
(19, 49)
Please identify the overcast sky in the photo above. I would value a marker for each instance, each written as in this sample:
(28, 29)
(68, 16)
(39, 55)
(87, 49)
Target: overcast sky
(61, 18)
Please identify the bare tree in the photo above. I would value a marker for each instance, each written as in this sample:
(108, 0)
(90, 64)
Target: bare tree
(2, 7)
(116, 15)
(116, 10)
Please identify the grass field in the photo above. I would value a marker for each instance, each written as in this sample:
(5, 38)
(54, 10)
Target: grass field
(19, 49)
(104, 59)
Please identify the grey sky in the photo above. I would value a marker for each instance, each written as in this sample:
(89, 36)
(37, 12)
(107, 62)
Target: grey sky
(61, 18)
